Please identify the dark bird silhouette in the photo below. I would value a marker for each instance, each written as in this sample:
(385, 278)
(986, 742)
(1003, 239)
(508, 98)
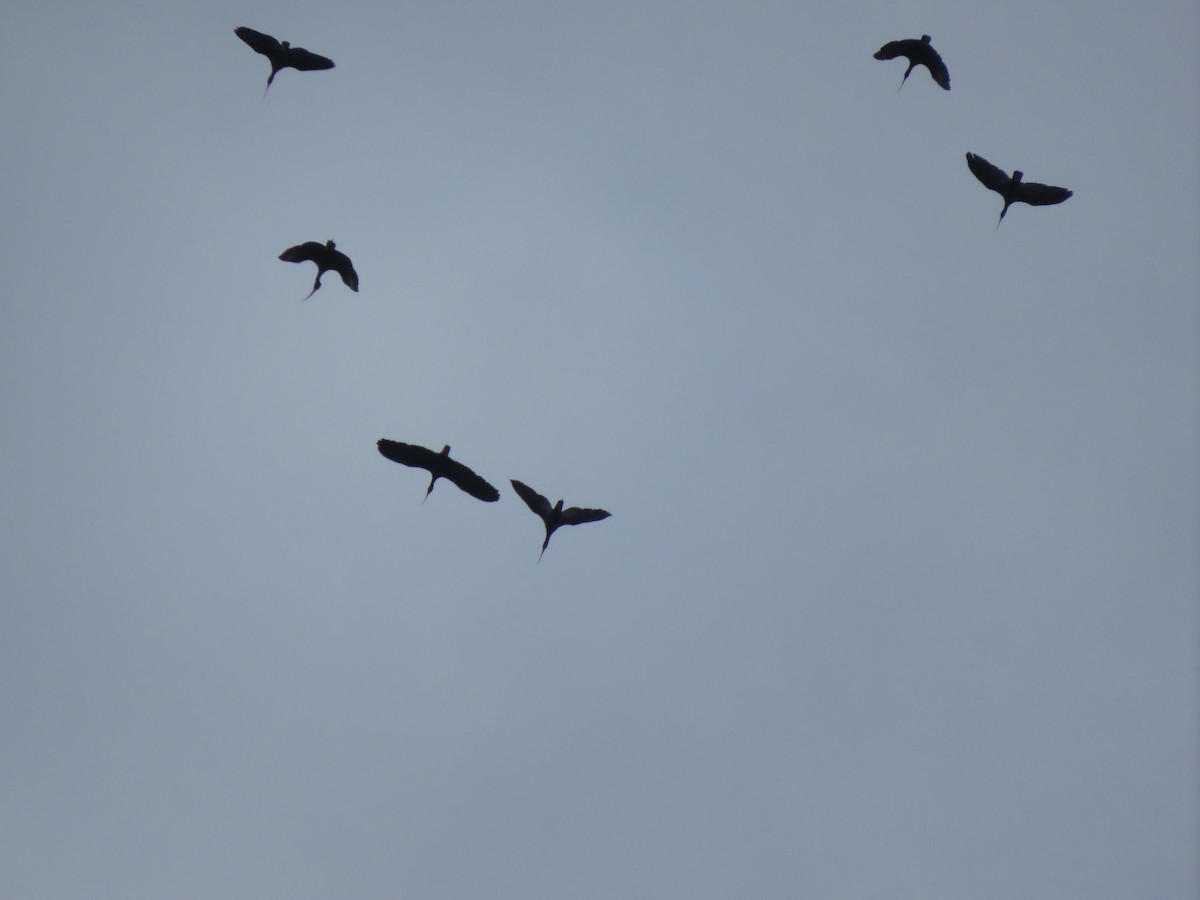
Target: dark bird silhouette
(554, 516)
(1014, 190)
(919, 53)
(282, 56)
(327, 257)
(439, 465)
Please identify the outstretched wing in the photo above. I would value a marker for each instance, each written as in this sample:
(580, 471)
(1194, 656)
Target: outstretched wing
(259, 42)
(573, 515)
(299, 58)
(933, 62)
(468, 481)
(990, 176)
(532, 498)
(892, 49)
(1042, 194)
(309, 251)
(409, 454)
(340, 263)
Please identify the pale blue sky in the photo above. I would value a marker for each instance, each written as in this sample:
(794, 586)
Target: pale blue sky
(898, 597)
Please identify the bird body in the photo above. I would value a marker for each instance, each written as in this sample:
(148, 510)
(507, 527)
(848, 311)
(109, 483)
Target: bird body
(555, 516)
(281, 55)
(1013, 189)
(918, 53)
(439, 465)
(327, 257)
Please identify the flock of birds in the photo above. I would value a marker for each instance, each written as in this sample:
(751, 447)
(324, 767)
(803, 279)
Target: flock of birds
(1011, 188)
(328, 258)
(440, 465)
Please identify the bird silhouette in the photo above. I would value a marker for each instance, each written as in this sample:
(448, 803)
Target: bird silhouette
(439, 465)
(327, 257)
(282, 55)
(554, 516)
(1014, 190)
(919, 53)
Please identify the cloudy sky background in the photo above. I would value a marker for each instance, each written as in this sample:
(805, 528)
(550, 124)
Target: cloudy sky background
(898, 597)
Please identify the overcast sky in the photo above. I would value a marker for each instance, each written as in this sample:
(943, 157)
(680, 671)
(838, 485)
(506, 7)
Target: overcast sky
(898, 598)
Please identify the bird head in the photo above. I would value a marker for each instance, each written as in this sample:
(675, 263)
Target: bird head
(446, 450)
(558, 507)
(925, 39)
(1017, 175)
(284, 44)
(330, 245)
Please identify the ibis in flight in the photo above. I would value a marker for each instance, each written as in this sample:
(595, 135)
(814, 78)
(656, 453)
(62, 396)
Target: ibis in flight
(1013, 189)
(281, 55)
(918, 53)
(327, 257)
(554, 516)
(439, 465)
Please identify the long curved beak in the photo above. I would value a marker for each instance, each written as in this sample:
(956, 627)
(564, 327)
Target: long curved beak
(316, 286)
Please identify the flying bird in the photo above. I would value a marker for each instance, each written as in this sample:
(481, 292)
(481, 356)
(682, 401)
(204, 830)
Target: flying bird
(439, 465)
(919, 53)
(554, 516)
(327, 257)
(1014, 190)
(282, 56)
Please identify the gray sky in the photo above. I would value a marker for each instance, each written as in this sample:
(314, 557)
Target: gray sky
(898, 597)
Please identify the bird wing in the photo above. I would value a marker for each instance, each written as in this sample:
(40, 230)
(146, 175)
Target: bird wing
(309, 251)
(259, 42)
(573, 515)
(892, 49)
(991, 177)
(340, 263)
(467, 480)
(409, 454)
(299, 58)
(1042, 194)
(933, 62)
(532, 498)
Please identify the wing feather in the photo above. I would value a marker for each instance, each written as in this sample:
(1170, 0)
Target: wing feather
(408, 454)
(340, 263)
(990, 176)
(933, 62)
(468, 481)
(309, 251)
(299, 58)
(535, 501)
(259, 42)
(573, 515)
(1042, 194)
(892, 49)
